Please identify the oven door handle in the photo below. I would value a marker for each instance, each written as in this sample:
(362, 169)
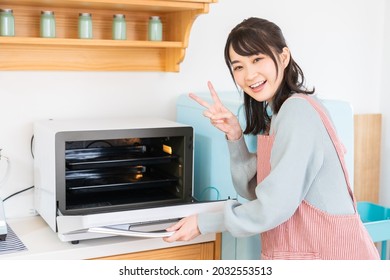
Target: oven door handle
(130, 233)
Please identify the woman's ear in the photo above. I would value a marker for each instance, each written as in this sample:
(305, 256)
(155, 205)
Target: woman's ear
(285, 56)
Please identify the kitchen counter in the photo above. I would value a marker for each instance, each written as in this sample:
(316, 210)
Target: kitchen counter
(43, 244)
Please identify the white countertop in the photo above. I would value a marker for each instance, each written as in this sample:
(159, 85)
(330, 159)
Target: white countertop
(43, 243)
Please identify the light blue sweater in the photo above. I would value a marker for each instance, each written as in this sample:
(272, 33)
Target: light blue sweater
(304, 166)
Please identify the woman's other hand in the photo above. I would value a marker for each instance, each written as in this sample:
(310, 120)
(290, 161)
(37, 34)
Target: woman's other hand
(219, 115)
(186, 230)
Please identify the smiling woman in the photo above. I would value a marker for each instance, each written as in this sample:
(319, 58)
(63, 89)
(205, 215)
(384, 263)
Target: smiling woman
(267, 53)
(259, 87)
(297, 186)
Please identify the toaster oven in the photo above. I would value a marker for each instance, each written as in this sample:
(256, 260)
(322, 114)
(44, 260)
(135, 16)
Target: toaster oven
(92, 177)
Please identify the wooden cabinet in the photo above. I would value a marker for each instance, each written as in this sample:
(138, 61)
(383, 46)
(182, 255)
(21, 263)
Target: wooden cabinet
(202, 251)
(27, 51)
(367, 145)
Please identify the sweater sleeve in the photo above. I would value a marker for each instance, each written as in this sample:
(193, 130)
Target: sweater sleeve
(243, 166)
(296, 157)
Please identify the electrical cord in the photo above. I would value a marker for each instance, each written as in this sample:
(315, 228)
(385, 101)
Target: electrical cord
(7, 171)
(18, 192)
(7, 168)
(203, 193)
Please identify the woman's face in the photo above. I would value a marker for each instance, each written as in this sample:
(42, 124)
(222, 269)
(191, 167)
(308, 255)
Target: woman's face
(257, 75)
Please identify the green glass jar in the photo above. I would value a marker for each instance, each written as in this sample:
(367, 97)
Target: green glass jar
(48, 24)
(7, 22)
(119, 27)
(85, 26)
(155, 29)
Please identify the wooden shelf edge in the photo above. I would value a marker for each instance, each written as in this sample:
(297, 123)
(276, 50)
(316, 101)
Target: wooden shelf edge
(135, 5)
(88, 42)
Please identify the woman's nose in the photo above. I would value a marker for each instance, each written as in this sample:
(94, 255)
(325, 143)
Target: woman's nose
(251, 73)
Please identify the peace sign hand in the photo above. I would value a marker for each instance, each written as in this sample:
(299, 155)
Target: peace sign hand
(219, 115)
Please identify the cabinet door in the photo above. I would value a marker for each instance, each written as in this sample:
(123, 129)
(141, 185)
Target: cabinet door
(202, 251)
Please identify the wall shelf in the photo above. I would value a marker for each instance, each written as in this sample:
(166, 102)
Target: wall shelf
(27, 51)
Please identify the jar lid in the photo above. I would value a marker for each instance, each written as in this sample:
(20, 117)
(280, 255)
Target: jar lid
(6, 10)
(119, 16)
(85, 14)
(47, 13)
(154, 17)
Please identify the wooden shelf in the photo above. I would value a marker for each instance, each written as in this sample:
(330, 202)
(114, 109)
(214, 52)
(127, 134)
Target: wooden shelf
(87, 43)
(26, 51)
(133, 5)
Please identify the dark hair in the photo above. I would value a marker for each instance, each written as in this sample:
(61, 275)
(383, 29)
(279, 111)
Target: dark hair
(254, 36)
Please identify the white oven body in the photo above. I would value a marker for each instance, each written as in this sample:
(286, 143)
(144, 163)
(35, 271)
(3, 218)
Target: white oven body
(51, 197)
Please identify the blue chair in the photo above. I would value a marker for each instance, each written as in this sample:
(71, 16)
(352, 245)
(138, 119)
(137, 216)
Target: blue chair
(376, 219)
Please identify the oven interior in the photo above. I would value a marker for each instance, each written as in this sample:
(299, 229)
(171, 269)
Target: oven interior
(125, 173)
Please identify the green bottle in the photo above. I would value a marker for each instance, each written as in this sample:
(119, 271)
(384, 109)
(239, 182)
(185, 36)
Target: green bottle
(7, 22)
(155, 29)
(48, 24)
(119, 27)
(85, 26)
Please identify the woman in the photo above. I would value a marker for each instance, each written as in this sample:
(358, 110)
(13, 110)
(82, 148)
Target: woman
(297, 185)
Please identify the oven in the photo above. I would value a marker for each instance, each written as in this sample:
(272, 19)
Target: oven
(107, 174)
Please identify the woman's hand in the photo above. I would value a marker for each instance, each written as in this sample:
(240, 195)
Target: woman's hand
(186, 230)
(219, 115)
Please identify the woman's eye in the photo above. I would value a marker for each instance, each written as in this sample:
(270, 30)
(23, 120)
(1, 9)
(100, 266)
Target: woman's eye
(257, 59)
(237, 68)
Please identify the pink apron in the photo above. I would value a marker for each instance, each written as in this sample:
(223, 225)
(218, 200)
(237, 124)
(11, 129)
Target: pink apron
(311, 233)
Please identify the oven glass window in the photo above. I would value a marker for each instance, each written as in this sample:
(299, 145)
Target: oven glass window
(134, 172)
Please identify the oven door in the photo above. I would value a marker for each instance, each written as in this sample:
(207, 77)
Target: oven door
(128, 173)
(150, 222)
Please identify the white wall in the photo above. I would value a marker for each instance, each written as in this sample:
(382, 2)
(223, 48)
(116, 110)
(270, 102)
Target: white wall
(339, 45)
(385, 101)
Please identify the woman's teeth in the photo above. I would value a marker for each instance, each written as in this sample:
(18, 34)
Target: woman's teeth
(257, 84)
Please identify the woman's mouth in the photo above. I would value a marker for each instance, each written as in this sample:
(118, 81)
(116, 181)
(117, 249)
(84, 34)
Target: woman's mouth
(258, 85)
